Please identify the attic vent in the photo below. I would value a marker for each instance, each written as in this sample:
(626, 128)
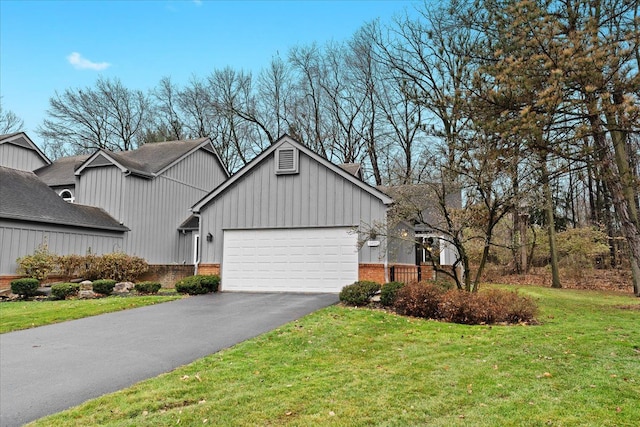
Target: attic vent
(286, 160)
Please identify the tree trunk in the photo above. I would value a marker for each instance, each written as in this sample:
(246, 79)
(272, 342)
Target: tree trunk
(551, 225)
(617, 181)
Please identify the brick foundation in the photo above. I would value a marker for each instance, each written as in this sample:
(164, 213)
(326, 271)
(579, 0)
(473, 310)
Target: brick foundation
(166, 274)
(209, 269)
(5, 281)
(371, 272)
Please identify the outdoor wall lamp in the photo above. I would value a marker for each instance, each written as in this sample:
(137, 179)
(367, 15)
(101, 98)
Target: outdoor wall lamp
(209, 237)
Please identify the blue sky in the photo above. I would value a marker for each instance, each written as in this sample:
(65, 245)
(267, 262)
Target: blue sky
(49, 45)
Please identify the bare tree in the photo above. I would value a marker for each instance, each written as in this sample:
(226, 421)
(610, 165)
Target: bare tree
(308, 121)
(9, 121)
(108, 116)
(167, 115)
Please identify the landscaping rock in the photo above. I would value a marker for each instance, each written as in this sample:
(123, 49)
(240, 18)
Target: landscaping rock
(86, 285)
(86, 294)
(123, 287)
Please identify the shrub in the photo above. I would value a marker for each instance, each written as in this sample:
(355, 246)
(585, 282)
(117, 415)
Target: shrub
(64, 290)
(104, 287)
(419, 299)
(389, 292)
(464, 307)
(74, 265)
(200, 284)
(359, 293)
(147, 288)
(210, 282)
(117, 266)
(492, 306)
(512, 308)
(38, 265)
(25, 287)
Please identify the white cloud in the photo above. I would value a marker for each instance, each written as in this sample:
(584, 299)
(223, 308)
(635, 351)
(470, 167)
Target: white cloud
(198, 2)
(81, 63)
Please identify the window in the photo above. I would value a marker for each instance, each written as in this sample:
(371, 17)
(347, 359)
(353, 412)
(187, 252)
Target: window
(67, 196)
(286, 160)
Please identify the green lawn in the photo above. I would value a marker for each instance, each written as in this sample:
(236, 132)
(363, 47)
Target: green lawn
(349, 367)
(29, 314)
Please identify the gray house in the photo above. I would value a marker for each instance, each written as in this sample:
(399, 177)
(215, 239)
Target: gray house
(31, 214)
(17, 151)
(60, 176)
(150, 191)
(291, 220)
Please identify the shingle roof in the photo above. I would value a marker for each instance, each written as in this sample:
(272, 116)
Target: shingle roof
(153, 158)
(61, 171)
(25, 197)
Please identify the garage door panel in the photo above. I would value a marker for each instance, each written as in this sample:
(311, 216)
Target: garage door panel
(293, 260)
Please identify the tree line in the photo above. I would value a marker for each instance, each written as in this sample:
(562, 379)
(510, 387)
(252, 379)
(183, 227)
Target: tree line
(529, 107)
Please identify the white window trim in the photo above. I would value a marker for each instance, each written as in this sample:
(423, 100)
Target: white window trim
(71, 199)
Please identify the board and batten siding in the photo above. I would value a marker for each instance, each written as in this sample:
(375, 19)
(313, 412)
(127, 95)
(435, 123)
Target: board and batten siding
(16, 157)
(153, 209)
(314, 197)
(102, 187)
(200, 169)
(23, 238)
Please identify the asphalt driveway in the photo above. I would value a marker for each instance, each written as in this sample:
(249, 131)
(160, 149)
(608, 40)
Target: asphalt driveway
(51, 368)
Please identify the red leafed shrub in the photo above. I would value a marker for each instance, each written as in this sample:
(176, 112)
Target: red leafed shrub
(512, 308)
(419, 299)
(464, 307)
(493, 306)
(435, 301)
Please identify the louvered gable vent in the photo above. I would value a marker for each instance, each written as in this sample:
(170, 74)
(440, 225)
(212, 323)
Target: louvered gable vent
(286, 160)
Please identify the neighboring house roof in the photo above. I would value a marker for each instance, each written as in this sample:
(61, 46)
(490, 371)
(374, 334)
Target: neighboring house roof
(421, 201)
(22, 140)
(269, 151)
(26, 198)
(153, 159)
(61, 171)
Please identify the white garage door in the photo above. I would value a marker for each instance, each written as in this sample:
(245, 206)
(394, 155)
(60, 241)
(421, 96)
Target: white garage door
(289, 260)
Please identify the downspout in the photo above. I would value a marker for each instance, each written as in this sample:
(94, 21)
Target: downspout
(199, 249)
(386, 265)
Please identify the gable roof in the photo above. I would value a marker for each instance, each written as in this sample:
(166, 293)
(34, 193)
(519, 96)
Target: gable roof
(22, 140)
(286, 139)
(153, 159)
(61, 171)
(26, 198)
